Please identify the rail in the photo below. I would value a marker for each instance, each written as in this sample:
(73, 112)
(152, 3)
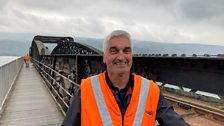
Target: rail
(8, 75)
(62, 88)
(217, 114)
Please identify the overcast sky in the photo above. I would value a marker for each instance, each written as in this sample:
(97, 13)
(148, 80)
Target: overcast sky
(177, 21)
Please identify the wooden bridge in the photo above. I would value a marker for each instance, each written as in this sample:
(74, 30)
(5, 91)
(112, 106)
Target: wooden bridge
(30, 103)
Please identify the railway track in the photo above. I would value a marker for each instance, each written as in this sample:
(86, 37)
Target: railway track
(211, 113)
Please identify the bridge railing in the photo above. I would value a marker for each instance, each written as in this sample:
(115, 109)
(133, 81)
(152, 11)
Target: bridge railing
(8, 75)
(62, 88)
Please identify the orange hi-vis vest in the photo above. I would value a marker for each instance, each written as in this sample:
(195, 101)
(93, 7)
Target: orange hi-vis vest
(27, 58)
(99, 107)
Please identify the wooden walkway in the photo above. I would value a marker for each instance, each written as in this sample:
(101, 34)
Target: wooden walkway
(30, 103)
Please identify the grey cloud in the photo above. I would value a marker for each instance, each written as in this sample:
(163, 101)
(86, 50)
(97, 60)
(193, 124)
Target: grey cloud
(2, 3)
(84, 26)
(60, 6)
(165, 20)
(202, 10)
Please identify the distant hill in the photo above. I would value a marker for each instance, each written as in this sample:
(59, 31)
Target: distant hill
(19, 48)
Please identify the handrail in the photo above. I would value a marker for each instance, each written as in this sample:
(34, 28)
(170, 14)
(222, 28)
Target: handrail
(65, 97)
(55, 72)
(8, 75)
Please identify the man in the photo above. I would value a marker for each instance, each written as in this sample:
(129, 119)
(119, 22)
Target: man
(27, 59)
(117, 96)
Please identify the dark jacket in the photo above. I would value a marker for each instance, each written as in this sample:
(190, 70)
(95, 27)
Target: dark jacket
(165, 114)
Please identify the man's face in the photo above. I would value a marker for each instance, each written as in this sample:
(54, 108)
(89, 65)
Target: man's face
(118, 56)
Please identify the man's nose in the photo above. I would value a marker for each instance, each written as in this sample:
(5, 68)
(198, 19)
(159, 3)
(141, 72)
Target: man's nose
(121, 55)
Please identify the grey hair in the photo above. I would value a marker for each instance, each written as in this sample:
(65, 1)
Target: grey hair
(116, 33)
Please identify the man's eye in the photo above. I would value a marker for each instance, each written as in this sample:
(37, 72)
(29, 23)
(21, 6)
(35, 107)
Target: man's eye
(113, 51)
(127, 51)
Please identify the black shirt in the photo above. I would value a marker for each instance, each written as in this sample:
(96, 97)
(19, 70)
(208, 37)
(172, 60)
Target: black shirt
(122, 96)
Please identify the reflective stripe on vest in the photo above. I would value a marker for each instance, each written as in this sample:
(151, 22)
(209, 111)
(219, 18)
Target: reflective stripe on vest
(104, 112)
(141, 102)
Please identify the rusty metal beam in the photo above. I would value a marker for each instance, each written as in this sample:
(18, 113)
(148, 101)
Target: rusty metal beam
(53, 39)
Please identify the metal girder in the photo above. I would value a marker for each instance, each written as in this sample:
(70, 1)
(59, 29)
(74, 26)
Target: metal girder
(204, 74)
(75, 48)
(53, 39)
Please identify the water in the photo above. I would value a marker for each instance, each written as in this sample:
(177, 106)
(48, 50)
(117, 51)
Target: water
(7, 59)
